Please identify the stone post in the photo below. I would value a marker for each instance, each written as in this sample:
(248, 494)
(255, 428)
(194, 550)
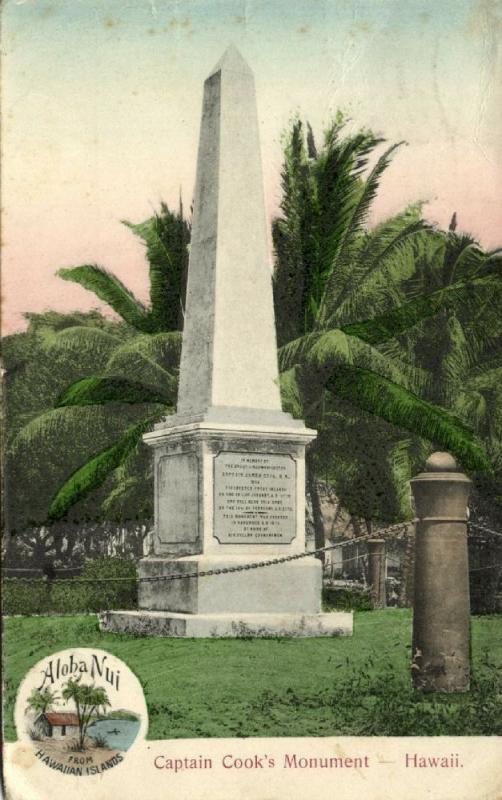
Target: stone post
(376, 569)
(441, 597)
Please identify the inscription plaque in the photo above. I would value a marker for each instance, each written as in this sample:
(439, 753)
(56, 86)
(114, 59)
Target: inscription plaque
(254, 498)
(178, 498)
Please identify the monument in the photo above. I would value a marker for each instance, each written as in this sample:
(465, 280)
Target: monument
(230, 464)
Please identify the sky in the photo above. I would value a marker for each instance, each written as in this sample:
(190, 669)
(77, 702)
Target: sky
(102, 102)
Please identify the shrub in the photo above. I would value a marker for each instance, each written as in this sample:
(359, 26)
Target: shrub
(345, 599)
(74, 747)
(73, 596)
(100, 741)
(107, 593)
(23, 597)
(35, 735)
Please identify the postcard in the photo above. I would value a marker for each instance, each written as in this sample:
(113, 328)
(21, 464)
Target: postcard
(252, 407)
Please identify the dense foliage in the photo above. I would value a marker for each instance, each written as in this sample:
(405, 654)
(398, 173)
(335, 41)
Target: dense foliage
(93, 591)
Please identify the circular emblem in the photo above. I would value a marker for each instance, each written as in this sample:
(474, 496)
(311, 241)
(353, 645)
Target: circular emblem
(82, 709)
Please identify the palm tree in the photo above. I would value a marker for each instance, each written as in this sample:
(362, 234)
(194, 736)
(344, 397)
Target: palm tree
(137, 382)
(88, 699)
(454, 342)
(341, 306)
(41, 700)
(39, 363)
(462, 350)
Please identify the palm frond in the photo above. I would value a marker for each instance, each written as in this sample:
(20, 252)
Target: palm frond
(105, 390)
(112, 291)
(402, 408)
(472, 407)
(380, 245)
(166, 236)
(401, 467)
(456, 359)
(162, 348)
(58, 423)
(461, 296)
(83, 338)
(443, 259)
(142, 370)
(290, 393)
(112, 504)
(337, 172)
(56, 321)
(330, 348)
(291, 237)
(94, 473)
(381, 290)
(339, 186)
(292, 353)
(323, 351)
(487, 378)
(484, 358)
(464, 259)
(343, 258)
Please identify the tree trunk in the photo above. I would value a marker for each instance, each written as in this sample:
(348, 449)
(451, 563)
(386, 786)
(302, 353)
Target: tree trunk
(316, 506)
(80, 725)
(71, 540)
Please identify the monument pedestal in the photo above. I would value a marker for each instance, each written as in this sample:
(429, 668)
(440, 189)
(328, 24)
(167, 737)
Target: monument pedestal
(229, 496)
(289, 587)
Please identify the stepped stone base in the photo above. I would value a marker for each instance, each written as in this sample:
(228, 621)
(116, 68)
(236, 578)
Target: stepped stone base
(291, 588)
(232, 626)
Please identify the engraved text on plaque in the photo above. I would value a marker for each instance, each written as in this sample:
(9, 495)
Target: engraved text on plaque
(254, 498)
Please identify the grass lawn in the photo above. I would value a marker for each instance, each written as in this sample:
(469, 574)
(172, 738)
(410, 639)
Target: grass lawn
(279, 687)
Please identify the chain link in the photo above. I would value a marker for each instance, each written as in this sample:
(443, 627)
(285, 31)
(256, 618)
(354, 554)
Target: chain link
(482, 569)
(484, 529)
(399, 527)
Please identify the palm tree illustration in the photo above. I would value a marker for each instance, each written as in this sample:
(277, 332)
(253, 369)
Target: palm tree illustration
(88, 699)
(41, 700)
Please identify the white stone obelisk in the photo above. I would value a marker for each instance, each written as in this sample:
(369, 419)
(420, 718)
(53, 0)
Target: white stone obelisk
(229, 357)
(229, 466)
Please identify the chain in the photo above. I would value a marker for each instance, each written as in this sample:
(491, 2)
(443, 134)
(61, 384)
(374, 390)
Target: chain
(482, 569)
(484, 529)
(397, 529)
(188, 574)
(401, 527)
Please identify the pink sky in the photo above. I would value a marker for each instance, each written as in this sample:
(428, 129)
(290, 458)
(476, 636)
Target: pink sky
(102, 105)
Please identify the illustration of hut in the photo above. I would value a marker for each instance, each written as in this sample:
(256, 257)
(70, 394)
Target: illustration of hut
(57, 725)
